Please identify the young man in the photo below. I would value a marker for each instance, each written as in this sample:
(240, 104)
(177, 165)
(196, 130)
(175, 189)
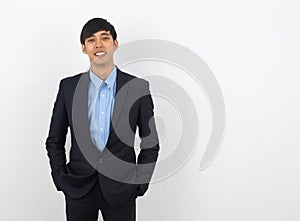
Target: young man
(100, 108)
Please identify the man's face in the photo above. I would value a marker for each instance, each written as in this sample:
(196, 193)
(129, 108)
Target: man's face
(100, 48)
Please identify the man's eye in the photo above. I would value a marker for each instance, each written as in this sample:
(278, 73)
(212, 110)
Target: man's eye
(90, 40)
(106, 38)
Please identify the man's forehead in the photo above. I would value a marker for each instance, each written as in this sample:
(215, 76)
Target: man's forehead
(102, 32)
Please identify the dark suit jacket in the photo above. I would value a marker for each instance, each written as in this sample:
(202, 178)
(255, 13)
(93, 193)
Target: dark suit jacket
(78, 176)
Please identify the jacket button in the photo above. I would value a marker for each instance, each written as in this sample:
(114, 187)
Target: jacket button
(101, 160)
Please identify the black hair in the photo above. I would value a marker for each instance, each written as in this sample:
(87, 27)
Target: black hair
(94, 25)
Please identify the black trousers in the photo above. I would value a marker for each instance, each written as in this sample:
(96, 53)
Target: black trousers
(87, 208)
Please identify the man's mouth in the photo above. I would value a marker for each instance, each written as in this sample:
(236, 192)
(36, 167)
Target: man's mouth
(98, 54)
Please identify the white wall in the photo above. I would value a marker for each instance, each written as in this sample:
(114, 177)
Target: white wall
(252, 48)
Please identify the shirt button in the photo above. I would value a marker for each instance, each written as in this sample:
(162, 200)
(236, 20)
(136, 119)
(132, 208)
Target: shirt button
(103, 95)
(102, 112)
(101, 129)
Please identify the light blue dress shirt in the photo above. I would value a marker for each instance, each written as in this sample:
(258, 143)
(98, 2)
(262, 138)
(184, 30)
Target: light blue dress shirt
(101, 96)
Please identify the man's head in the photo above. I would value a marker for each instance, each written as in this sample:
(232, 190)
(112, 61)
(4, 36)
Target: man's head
(99, 41)
(94, 25)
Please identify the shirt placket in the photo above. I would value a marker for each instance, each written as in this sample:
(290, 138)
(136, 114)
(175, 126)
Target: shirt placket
(102, 114)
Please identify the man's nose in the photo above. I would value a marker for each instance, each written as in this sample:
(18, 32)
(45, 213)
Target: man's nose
(99, 43)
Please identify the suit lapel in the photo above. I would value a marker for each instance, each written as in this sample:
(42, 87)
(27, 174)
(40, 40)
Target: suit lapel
(120, 96)
(80, 120)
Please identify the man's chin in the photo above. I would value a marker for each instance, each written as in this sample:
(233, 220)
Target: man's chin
(97, 64)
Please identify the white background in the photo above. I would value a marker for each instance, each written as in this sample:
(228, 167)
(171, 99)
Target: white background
(252, 48)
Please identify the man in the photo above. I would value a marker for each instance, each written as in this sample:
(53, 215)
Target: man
(103, 108)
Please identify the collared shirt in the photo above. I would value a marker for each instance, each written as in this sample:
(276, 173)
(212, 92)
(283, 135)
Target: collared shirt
(101, 96)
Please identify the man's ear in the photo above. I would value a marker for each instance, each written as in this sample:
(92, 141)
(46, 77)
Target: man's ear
(83, 49)
(116, 45)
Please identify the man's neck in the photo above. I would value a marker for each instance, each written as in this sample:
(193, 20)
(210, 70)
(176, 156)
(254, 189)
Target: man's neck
(102, 72)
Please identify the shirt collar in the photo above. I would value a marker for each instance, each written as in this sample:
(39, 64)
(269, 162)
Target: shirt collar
(110, 80)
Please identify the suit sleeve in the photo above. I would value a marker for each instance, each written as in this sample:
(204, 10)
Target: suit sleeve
(55, 142)
(149, 140)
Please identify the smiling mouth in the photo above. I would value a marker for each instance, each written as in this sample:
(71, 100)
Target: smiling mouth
(98, 54)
